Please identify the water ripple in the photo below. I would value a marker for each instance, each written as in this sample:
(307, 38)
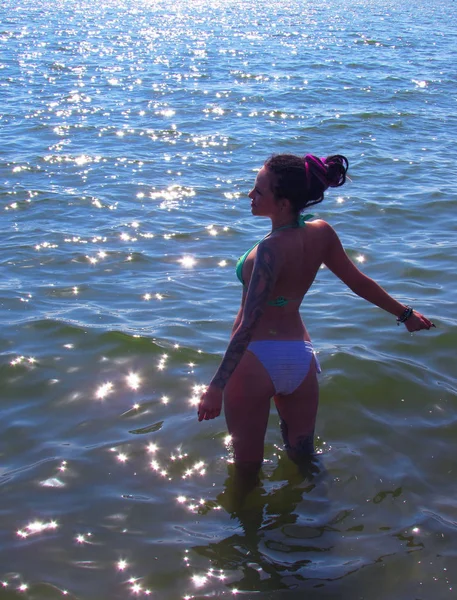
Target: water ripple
(131, 135)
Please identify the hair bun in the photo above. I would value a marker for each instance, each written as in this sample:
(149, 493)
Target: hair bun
(303, 180)
(336, 167)
(330, 171)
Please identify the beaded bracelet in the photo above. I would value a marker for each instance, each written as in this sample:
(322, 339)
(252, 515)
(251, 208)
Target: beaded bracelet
(405, 315)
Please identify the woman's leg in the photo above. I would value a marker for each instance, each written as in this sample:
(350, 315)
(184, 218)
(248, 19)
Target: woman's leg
(297, 412)
(247, 398)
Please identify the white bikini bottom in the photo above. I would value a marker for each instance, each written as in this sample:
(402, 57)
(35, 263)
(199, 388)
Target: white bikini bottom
(287, 362)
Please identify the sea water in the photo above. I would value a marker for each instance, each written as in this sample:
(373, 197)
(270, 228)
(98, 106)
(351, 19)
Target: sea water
(131, 133)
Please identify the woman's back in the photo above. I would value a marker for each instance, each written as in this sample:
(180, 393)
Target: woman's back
(298, 254)
(269, 353)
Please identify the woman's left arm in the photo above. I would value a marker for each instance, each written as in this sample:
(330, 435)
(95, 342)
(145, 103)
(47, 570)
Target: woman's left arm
(263, 278)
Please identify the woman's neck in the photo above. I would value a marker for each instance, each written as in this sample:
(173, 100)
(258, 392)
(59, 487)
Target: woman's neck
(290, 221)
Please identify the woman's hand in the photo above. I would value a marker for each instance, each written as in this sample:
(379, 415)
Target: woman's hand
(210, 403)
(416, 322)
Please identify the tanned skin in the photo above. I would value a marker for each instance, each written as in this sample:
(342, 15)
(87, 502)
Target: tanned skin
(287, 260)
(260, 287)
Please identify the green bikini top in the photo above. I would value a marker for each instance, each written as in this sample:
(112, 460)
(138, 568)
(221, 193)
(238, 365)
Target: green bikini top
(280, 300)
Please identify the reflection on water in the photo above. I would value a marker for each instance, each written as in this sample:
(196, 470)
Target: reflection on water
(125, 473)
(131, 135)
(263, 563)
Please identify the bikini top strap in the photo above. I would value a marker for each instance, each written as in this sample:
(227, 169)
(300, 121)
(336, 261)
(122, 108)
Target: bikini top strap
(303, 218)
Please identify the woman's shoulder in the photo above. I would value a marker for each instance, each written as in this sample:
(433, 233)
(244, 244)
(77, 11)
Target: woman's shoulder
(321, 227)
(317, 224)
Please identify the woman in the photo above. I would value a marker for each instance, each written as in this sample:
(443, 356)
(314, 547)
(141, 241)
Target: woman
(270, 353)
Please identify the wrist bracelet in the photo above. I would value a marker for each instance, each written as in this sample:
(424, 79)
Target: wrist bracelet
(405, 315)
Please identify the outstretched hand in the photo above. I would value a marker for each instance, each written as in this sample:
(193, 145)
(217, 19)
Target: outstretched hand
(210, 404)
(416, 322)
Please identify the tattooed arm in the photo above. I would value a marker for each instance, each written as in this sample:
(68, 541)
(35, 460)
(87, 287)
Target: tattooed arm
(263, 278)
(260, 287)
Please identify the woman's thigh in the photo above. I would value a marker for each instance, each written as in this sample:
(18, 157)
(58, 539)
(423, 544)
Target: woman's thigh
(247, 398)
(298, 413)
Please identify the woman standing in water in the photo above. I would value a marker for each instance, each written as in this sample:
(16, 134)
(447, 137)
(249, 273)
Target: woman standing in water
(270, 352)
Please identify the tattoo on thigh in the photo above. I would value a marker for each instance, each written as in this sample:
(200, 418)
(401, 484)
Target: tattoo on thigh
(304, 445)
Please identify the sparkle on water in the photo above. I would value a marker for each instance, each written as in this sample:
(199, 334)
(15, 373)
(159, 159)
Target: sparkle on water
(139, 126)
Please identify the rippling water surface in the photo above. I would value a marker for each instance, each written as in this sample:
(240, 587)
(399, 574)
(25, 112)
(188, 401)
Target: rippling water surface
(130, 133)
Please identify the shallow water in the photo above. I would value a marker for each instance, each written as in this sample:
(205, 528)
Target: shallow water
(130, 134)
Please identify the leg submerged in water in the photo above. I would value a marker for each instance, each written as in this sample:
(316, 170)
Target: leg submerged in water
(247, 407)
(243, 479)
(247, 400)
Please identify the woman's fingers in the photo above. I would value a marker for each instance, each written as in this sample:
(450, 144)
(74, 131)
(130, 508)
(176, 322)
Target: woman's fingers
(426, 323)
(417, 322)
(206, 415)
(210, 404)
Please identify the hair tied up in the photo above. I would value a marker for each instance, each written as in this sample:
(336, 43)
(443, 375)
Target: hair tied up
(330, 171)
(315, 167)
(303, 180)
(337, 166)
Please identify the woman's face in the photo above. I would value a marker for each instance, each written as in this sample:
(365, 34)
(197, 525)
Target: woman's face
(263, 203)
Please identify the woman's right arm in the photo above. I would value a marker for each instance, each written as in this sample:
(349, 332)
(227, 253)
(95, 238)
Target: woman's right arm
(341, 265)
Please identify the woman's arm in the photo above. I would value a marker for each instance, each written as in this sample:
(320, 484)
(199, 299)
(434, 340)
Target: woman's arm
(341, 265)
(263, 278)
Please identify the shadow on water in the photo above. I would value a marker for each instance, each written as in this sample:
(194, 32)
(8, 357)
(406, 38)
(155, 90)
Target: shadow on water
(267, 514)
